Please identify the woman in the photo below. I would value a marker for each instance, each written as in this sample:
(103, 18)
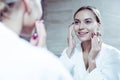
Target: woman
(19, 60)
(91, 59)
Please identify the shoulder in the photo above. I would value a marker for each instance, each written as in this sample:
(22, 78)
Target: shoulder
(110, 48)
(48, 64)
(52, 65)
(110, 52)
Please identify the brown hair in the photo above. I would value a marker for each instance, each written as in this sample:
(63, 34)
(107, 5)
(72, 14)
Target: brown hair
(92, 9)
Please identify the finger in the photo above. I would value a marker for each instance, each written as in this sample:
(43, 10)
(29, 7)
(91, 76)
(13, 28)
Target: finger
(74, 42)
(97, 37)
(71, 27)
(95, 42)
(71, 38)
(71, 24)
(41, 33)
(40, 28)
(70, 32)
(34, 39)
(100, 41)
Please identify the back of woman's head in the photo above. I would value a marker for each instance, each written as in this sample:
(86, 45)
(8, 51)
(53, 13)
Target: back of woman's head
(93, 10)
(6, 7)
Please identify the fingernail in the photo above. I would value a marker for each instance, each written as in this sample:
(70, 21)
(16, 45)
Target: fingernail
(35, 36)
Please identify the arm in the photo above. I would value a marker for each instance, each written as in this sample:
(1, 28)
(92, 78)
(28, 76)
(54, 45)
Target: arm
(96, 43)
(71, 41)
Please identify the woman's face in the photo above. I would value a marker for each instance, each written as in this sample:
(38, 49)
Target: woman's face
(85, 25)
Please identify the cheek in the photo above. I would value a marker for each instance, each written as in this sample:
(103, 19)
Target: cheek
(76, 28)
(29, 22)
(75, 31)
(39, 10)
(93, 28)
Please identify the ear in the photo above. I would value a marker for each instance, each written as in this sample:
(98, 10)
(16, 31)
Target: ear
(26, 6)
(28, 19)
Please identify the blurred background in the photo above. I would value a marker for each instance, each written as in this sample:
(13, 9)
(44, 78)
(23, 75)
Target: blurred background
(58, 14)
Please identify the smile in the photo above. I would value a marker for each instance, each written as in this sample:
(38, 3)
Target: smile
(81, 34)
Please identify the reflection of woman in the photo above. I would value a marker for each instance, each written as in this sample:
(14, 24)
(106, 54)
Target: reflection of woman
(91, 59)
(19, 60)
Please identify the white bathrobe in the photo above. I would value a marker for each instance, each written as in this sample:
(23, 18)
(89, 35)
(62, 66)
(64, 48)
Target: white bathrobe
(21, 61)
(107, 64)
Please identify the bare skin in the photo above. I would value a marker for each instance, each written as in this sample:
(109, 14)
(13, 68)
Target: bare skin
(39, 38)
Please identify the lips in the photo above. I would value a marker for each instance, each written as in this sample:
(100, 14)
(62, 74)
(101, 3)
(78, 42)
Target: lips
(81, 34)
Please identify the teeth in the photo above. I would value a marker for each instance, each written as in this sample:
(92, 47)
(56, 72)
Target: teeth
(82, 33)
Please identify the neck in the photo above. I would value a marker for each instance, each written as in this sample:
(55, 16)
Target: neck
(86, 46)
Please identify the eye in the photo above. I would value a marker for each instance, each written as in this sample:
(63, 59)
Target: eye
(76, 22)
(88, 21)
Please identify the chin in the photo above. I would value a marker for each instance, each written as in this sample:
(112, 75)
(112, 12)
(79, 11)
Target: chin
(84, 39)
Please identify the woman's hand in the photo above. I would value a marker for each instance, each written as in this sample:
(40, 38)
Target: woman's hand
(96, 43)
(71, 41)
(39, 38)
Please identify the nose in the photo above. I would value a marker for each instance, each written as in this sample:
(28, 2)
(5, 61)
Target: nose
(81, 26)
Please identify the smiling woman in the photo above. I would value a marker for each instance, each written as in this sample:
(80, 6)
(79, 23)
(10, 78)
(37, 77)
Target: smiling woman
(91, 59)
(85, 24)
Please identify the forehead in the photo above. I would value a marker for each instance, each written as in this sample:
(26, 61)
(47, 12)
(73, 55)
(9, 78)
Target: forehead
(84, 14)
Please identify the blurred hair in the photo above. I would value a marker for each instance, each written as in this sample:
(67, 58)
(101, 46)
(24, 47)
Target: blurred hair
(5, 7)
(93, 10)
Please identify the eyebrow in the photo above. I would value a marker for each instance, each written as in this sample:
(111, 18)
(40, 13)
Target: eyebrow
(84, 19)
(88, 19)
(76, 19)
